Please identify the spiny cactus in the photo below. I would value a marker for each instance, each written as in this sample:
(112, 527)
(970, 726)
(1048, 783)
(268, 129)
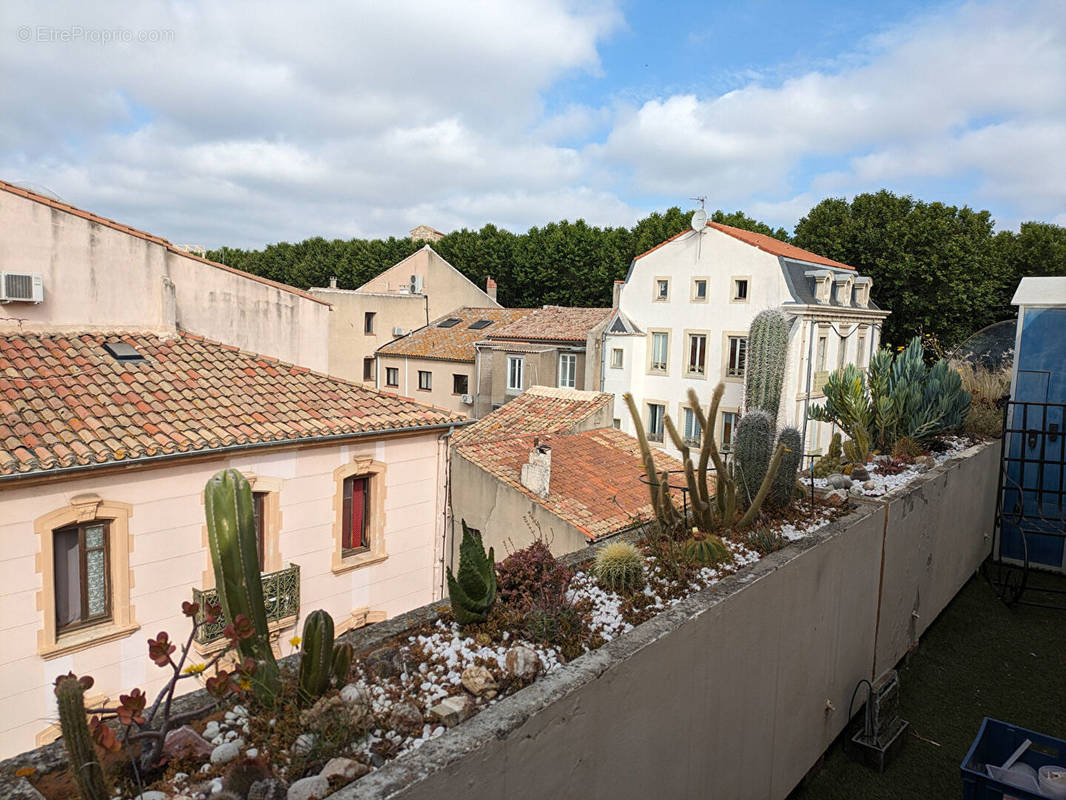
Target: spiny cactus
(88, 774)
(620, 567)
(235, 558)
(784, 484)
(661, 501)
(320, 659)
(830, 462)
(753, 445)
(706, 550)
(474, 591)
(766, 354)
(343, 654)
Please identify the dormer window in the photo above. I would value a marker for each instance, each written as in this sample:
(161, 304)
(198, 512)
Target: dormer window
(822, 280)
(863, 284)
(843, 287)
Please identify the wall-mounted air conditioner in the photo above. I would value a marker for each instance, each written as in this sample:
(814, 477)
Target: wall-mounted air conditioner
(468, 399)
(416, 284)
(21, 287)
(397, 331)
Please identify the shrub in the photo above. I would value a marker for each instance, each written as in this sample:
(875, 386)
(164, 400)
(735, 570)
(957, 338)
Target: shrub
(987, 388)
(619, 567)
(532, 577)
(765, 540)
(562, 626)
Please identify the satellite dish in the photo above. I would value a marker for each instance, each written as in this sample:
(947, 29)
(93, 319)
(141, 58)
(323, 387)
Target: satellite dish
(699, 219)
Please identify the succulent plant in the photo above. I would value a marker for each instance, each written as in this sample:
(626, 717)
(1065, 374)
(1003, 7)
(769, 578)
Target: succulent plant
(766, 354)
(320, 658)
(706, 550)
(765, 540)
(782, 489)
(619, 566)
(753, 445)
(830, 462)
(88, 773)
(474, 591)
(343, 654)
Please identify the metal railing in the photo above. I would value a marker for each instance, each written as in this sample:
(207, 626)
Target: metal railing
(281, 595)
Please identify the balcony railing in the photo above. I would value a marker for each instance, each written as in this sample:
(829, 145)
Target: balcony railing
(281, 596)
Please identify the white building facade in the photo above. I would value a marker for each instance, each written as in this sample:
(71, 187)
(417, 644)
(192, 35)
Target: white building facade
(682, 318)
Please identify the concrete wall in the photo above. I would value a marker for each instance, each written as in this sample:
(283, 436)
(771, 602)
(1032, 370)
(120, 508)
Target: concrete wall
(97, 277)
(168, 556)
(441, 381)
(725, 695)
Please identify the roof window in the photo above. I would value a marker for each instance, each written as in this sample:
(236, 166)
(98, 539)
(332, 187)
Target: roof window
(481, 323)
(121, 351)
(451, 322)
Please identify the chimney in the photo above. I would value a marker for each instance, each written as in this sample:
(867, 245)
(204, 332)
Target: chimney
(490, 288)
(536, 475)
(617, 293)
(332, 281)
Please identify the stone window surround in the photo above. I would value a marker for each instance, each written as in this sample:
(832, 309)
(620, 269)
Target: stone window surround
(651, 351)
(375, 471)
(733, 289)
(620, 360)
(693, 297)
(726, 336)
(655, 296)
(689, 333)
(683, 406)
(648, 403)
(85, 508)
(719, 424)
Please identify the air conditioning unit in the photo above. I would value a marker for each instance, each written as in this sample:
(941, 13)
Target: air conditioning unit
(398, 331)
(416, 284)
(467, 399)
(21, 287)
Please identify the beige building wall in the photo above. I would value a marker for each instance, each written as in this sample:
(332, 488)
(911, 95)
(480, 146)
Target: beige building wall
(540, 368)
(167, 557)
(99, 277)
(442, 374)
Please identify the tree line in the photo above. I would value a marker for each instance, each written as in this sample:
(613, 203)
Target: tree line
(942, 270)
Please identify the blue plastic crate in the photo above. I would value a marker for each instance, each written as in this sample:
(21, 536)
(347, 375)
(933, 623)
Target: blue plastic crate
(995, 743)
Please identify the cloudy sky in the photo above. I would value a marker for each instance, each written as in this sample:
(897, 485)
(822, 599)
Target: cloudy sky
(243, 123)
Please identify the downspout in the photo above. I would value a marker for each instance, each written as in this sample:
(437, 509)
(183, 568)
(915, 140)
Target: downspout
(477, 379)
(810, 363)
(445, 439)
(427, 309)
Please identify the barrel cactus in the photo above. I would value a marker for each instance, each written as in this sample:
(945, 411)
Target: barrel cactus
(619, 567)
(706, 550)
(766, 354)
(473, 592)
(88, 773)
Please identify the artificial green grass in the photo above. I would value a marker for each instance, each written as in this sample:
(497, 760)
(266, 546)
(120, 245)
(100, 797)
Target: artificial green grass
(978, 659)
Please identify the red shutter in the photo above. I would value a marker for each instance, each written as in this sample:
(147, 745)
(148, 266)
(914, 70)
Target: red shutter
(354, 534)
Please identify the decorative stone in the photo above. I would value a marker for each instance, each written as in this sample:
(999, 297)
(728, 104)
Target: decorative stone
(314, 787)
(839, 481)
(346, 768)
(385, 662)
(859, 473)
(869, 486)
(268, 789)
(522, 663)
(478, 680)
(303, 744)
(354, 694)
(225, 752)
(151, 795)
(406, 719)
(924, 463)
(211, 729)
(453, 710)
(185, 742)
(855, 490)
(836, 498)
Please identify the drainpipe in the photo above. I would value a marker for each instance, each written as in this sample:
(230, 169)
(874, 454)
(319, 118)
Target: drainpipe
(406, 385)
(445, 440)
(810, 363)
(477, 379)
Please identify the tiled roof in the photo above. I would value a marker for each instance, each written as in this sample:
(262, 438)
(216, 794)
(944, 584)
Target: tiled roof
(118, 226)
(66, 402)
(554, 324)
(455, 342)
(595, 476)
(767, 244)
(539, 409)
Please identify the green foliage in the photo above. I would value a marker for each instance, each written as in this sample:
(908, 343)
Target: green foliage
(706, 550)
(235, 558)
(320, 658)
(765, 540)
(857, 448)
(343, 654)
(619, 567)
(831, 461)
(781, 490)
(766, 353)
(88, 773)
(474, 591)
(753, 445)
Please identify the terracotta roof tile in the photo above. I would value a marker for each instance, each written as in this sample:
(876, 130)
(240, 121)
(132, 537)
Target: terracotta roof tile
(595, 482)
(539, 409)
(553, 324)
(213, 397)
(454, 342)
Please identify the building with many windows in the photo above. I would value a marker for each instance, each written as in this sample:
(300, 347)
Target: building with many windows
(682, 316)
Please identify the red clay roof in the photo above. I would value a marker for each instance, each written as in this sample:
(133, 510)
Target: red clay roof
(595, 476)
(453, 343)
(767, 244)
(553, 324)
(118, 226)
(539, 409)
(66, 402)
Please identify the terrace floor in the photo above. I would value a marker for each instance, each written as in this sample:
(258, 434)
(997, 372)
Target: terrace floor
(978, 659)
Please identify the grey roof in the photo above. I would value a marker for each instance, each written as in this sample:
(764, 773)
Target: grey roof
(799, 285)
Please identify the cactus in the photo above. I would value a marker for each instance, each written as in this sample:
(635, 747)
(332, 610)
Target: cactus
(782, 489)
(830, 462)
(619, 567)
(661, 501)
(317, 655)
(767, 350)
(474, 591)
(235, 557)
(88, 774)
(342, 662)
(706, 550)
(753, 444)
(857, 449)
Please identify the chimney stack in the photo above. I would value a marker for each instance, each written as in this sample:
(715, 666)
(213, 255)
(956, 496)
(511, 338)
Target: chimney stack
(536, 475)
(617, 293)
(332, 281)
(490, 288)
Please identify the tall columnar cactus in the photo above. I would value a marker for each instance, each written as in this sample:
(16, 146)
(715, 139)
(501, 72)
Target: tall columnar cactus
(88, 773)
(316, 655)
(235, 557)
(785, 481)
(753, 446)
(474, 591)
(765, 370)
(661, 501)
(342, 662)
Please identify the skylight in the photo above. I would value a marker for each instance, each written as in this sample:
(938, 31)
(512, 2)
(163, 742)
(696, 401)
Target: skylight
(449, 323)
(481, 323)
(121, 351)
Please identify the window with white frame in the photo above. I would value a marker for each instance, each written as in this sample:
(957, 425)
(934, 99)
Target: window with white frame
(662, 289)
(697, 353)
(567, 370)
(738, 356)
(691, 427)
(660, 348)
(515, 373)
(740, 290)
(699, 289)
(616, 358)
(656, 415)
(729, 424)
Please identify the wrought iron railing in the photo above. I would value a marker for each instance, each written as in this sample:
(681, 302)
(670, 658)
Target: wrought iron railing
(281, 595)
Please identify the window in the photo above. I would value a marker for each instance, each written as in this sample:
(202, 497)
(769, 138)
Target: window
(392, 376)
(729, 424)
(617, 422)
(368, 369)
(82, 575)
(425, 380)
(656, 414)
(660, 347)
(368, 322)
(460, 384)
(259, 512)
(662, 288)
(697, 353)
(740, 290)
(823, 343)
(616, 358)
(842, 355)
(515, 368)
(691, 432)
(451, 322)
(860, 350)
(479, 324)
(738, 356)
(699, 289)
(567, 370)
(354, 533)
